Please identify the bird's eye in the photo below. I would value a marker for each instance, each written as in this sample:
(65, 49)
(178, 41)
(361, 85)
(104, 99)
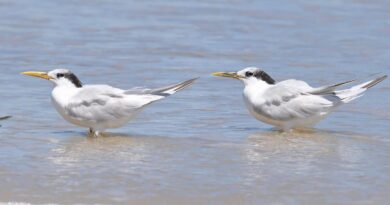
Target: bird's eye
(248, 74)
(59, 75)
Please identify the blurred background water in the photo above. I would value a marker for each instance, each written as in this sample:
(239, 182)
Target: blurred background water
(199, 146)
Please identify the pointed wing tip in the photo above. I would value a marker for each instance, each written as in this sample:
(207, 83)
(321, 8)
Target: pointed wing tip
(5, 117)
(375, 82)
(344, 83)
(185, 84)
(169, 90)
(192, 79)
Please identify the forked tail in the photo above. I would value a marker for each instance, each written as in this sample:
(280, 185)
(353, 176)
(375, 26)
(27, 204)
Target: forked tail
(357, 91)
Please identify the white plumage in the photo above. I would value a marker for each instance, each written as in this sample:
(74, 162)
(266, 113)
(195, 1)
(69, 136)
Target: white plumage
(100, 107)
(292, 103)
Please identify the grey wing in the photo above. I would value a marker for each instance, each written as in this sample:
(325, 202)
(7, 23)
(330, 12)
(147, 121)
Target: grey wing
(349, 94)
(291, 100)
(101, 103)
(329, 88)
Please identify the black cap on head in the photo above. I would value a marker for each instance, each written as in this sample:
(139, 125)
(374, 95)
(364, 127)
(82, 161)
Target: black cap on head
(64, 73)
(265, 77)
(73, 78)
(258, 74)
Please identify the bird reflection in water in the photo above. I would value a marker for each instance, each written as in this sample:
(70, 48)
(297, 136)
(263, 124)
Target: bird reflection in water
(110, 148)
(301, 154)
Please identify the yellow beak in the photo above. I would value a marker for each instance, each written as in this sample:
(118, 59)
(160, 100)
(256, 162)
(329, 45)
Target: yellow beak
(227, 74)
(37, 74)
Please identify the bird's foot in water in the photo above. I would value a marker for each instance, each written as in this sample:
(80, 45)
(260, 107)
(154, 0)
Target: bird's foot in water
(93, 133)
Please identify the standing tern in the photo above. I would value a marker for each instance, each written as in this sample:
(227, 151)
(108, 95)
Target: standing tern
(292, 104)
(99, 107)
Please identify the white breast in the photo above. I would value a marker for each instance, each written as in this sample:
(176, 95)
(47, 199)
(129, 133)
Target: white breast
(60, 98)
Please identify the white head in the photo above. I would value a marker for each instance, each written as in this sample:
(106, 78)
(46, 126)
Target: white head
(248, 76)
(60, 77)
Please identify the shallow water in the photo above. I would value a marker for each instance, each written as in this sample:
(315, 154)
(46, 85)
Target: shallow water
(199, 146)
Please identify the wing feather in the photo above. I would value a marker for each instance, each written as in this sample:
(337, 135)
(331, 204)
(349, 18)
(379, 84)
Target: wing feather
(328, 89)
(164, 91)
(291, 99)
(5, 117)
(102, 103)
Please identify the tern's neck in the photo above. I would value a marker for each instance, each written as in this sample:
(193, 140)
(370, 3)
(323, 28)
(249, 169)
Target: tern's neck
(68, 82)
(258, 84)
(255, 88)
(63, 93)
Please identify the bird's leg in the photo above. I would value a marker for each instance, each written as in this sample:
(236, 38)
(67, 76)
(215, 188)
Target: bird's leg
(93, 133)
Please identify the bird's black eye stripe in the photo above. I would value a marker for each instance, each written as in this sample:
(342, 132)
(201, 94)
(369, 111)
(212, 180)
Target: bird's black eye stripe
(59, 75)
(248, 74)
